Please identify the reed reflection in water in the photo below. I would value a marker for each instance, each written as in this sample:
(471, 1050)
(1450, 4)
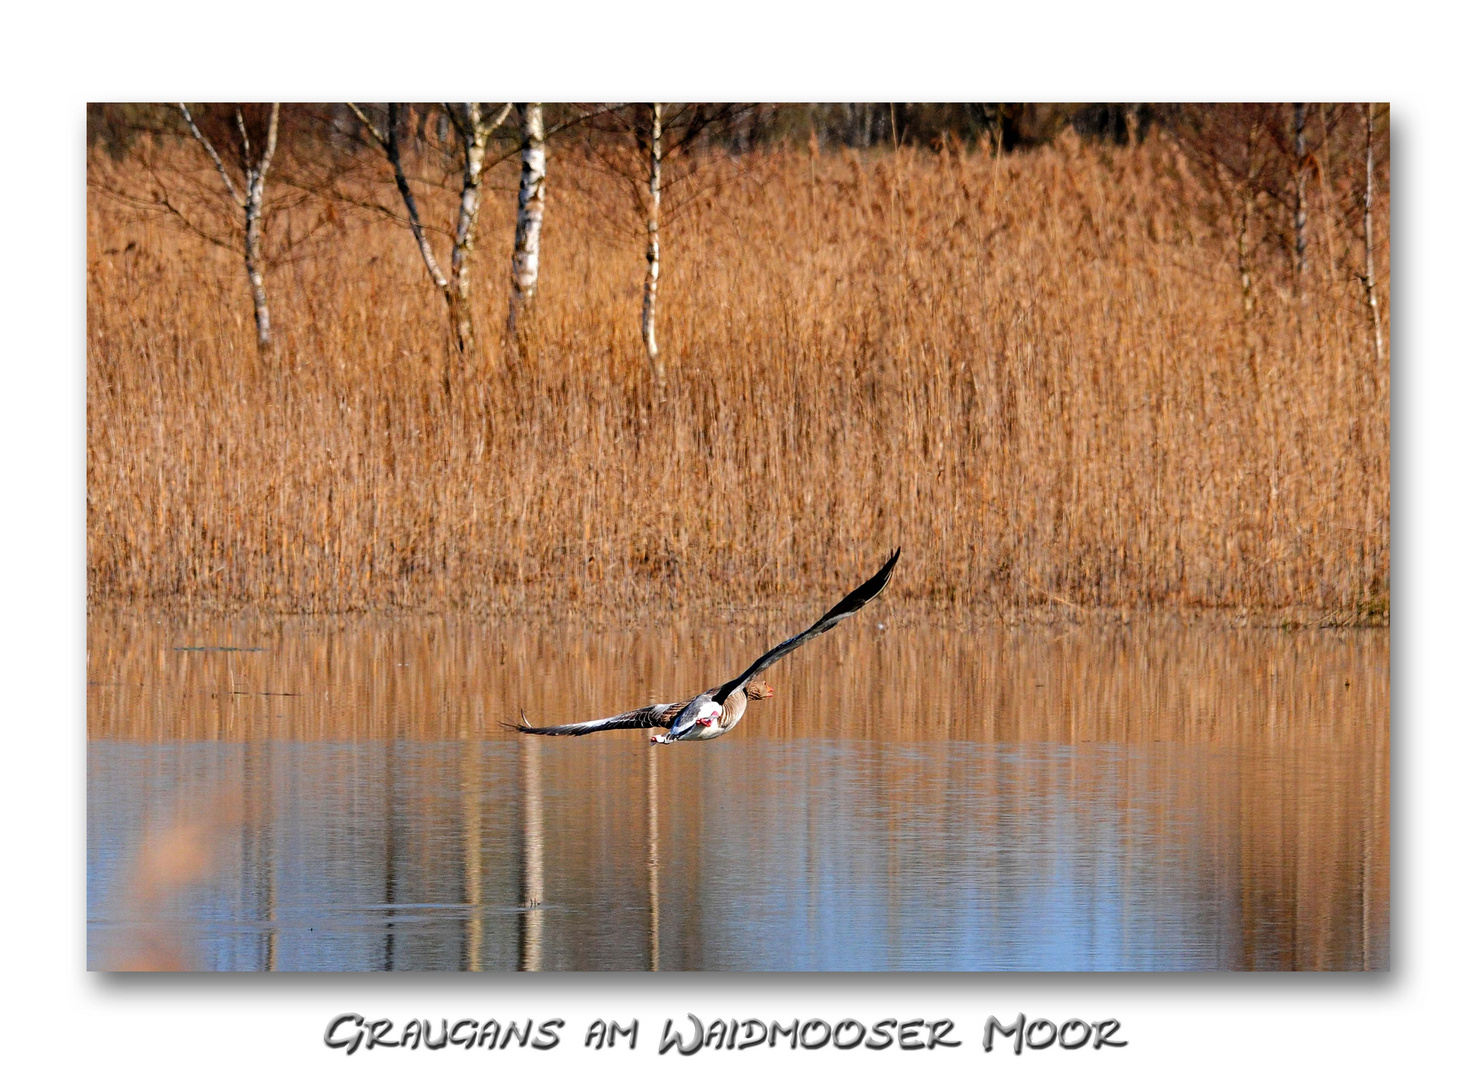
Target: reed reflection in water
(911, 799)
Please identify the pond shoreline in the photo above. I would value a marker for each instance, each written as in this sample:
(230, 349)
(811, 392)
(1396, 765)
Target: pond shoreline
(1060, 613)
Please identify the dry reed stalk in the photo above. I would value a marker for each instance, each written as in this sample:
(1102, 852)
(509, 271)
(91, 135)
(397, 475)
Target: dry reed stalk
(1034, 381)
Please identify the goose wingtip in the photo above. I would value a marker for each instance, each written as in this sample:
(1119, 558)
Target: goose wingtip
(522, 725)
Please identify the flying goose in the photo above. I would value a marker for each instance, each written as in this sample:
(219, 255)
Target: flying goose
(715, 712)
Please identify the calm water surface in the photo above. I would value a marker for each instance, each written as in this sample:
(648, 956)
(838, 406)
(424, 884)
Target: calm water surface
(340, 796)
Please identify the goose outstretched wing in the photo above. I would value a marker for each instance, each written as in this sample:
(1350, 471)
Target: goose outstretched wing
(649, 716)
(835, 615)
(681, 716)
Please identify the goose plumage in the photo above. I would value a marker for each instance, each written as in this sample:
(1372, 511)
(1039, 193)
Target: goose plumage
(716, 711)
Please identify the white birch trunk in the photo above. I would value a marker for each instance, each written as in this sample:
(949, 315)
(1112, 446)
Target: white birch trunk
(1369, 277)
(530, 203)
(651, 275)
(473, 138)
(255, 175)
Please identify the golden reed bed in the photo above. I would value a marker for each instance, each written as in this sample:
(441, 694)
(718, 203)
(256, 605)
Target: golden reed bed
(1033, 373)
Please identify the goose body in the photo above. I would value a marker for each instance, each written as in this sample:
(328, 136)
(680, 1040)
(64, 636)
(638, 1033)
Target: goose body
(716, 711)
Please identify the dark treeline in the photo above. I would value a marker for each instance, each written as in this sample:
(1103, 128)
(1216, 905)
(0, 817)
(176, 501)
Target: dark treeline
(740, 127)
(735, 127)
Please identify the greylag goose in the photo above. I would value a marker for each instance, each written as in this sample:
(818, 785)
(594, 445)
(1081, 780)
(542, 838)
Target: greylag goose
(715, 712)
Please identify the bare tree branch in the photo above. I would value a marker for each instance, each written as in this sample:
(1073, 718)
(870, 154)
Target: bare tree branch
(391, 147)
(210, 150)
(162, 200)
(244, 135)
(271, 131)
(381, 138)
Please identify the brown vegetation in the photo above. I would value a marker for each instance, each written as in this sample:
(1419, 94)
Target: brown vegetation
(1040, 373)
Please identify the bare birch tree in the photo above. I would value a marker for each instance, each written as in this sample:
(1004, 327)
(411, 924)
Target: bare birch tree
(250, 197)
(1369, 275)
(475, 132)
(530, 203)
(651, 275)
(474, 128)
(654, 168)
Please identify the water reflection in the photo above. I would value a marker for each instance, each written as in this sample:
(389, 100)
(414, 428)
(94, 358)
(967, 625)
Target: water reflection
(916, 799)
(533, 885)
(651, 787)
